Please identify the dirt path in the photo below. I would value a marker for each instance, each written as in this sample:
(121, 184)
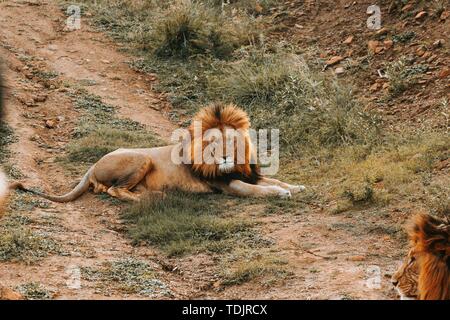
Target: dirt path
(32, 40)
(327, 257)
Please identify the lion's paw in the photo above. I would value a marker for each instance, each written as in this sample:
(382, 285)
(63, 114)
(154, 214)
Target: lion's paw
(296, 189)
(284, 194)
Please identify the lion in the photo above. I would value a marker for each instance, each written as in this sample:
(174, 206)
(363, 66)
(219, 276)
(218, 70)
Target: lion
(405, 279)
(127, 174)
(427, 267)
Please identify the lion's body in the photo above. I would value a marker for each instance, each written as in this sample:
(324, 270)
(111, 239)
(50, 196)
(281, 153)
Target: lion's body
(428, 262)
(129, 173)
(142, 170)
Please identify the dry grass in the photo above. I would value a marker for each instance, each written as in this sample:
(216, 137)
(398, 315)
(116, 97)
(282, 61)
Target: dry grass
(128, 275)
(100, 131)
(360, 175)
(249, 266)
(280, 91)
(184, 223)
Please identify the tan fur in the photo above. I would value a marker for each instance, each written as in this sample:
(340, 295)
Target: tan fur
(430, 240)
(129, 173)
(405, 279)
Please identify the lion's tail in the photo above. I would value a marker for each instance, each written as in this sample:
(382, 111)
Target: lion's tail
(77, 192)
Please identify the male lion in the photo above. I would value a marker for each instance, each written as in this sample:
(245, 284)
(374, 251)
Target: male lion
(425, 273)
(128, 173)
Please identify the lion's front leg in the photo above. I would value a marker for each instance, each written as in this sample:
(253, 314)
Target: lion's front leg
(274, 182)
(241, 188)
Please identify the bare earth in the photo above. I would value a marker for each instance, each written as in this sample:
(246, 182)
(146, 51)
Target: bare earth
(327, 262)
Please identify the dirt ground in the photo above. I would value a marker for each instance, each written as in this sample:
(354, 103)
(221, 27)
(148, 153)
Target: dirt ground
(328, 257)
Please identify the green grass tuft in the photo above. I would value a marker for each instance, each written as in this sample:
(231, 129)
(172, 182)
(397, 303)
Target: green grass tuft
(184, 222)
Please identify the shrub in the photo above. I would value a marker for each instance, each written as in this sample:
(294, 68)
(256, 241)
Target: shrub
(280, 91)
(187, 28)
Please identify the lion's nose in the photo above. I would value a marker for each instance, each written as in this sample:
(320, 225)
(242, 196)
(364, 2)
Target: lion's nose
(394, 282)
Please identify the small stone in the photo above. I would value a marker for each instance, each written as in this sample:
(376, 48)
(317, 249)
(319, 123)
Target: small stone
(348, 40)
(420, 15)
(438, 43)
(339, 70)
(40, 98)
(334, 60)
(373, 44)
(444, 15)
(374, 87)
(106, 61)
(53, 47)
(388, 44)
(50, 124)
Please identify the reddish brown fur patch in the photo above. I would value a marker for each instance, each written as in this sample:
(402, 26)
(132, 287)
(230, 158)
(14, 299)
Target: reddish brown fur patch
(431, 245)
(220, 116)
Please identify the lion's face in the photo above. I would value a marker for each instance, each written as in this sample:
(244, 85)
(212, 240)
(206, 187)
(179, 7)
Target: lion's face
(405, 279)
(220, 142)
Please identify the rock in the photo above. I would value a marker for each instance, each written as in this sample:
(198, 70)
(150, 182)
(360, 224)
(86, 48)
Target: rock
(8, 294)
(40, 98)
(388, 44)
(374, 45)
(334, 60)
(444, 15)
(29, 102)
(374, 87)
(444, 73)
(339, 70)
(106, 61)
(53, 47)
(438, 43)
(50, 124)
(348, 40)
(420, 15)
